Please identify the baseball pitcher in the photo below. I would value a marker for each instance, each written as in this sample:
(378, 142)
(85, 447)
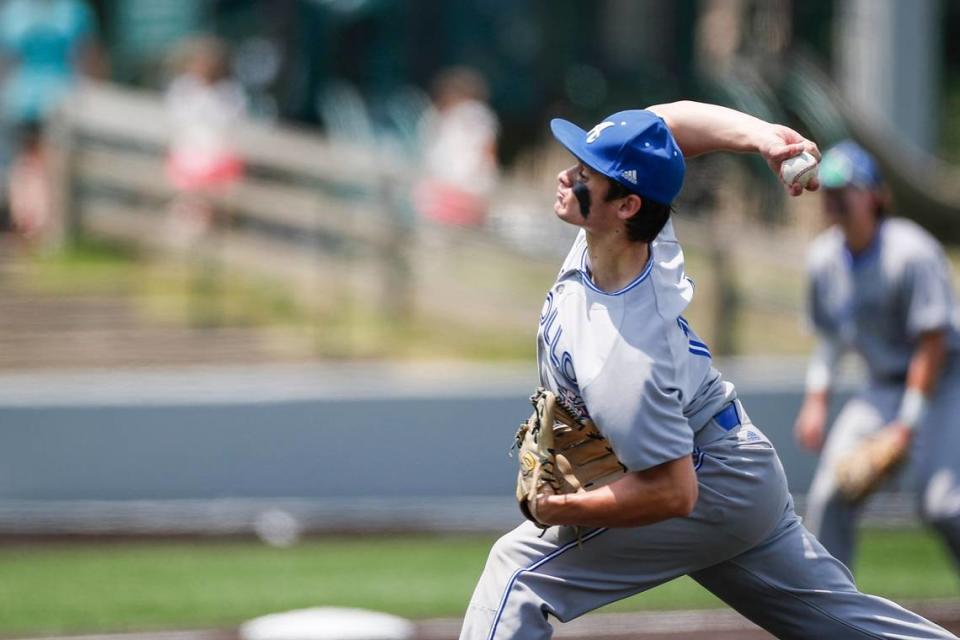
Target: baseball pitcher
(688, 484)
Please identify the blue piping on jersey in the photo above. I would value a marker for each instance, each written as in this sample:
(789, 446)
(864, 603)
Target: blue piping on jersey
(587, 280)
(697, 458)
(536, 565)
(696, 347)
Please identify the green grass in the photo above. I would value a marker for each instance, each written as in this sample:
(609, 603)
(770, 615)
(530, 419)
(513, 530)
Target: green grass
(155, 585)
(905, 565)
(84, 266)
(144, 585)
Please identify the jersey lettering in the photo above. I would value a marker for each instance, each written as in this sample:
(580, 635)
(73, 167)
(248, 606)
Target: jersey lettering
(562, 361)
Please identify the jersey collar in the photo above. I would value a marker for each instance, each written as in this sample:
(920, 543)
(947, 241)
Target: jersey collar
(587, 278)
(857, 260)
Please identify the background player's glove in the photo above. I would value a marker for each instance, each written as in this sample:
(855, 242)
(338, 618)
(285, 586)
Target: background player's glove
(560, 453)
(860, 472)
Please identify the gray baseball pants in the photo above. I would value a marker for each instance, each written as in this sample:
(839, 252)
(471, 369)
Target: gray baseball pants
(743, 542)
(933, 470)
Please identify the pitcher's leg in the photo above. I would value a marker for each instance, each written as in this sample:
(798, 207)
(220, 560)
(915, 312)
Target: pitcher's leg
(792, 587)
(528, 578)
(505, 604)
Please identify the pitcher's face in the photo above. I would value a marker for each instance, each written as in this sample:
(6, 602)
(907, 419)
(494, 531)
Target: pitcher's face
(581, 199)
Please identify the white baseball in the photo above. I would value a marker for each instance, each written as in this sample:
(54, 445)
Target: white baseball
(799, 169)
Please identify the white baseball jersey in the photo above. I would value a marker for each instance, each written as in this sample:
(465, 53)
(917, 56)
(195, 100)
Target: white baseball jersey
(880, 301)
(628, 358)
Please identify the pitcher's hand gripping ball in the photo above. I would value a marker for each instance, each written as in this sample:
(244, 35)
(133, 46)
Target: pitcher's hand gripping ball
(799, 169)
(860, 472)
(560, 453)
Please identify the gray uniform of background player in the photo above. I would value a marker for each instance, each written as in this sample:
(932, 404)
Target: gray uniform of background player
(878, 304)
(647, 381)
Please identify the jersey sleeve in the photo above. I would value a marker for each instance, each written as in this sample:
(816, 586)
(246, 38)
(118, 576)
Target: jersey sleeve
(822, 322)
(928, 294)
(636, 404)
(821, 277)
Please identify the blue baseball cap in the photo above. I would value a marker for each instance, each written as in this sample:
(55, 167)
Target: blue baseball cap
(634, 147)
(847, 164)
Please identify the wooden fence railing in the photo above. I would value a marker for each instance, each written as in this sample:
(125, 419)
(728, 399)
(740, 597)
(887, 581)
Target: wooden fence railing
(305, 208)
(330, 218)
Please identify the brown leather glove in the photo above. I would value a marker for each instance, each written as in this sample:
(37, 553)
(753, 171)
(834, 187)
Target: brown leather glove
(560, 452)
(860, 472)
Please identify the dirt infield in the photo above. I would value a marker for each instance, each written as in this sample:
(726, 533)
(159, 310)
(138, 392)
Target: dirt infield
(713, 624)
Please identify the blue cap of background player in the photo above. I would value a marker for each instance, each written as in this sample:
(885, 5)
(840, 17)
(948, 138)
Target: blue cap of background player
(635, 148)
(847, 164)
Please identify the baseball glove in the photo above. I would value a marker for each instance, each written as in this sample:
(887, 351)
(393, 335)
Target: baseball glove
(860, 472)
(560, 453)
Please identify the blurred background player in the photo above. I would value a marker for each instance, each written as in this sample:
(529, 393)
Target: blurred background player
(880, 286)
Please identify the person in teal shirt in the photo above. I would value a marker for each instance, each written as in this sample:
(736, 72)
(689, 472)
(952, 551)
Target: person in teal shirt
(46, 43)
(44, 46)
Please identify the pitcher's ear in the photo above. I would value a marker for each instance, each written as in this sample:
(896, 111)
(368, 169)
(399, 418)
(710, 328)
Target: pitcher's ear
(629, 206)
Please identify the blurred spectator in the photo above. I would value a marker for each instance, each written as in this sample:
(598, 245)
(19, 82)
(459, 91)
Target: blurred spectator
(203, 104)
(459, 144)
(45, 44)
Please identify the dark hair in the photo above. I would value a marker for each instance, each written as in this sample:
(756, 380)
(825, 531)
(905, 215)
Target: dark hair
(647, 223)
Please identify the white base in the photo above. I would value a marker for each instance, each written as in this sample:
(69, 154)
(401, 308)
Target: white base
(327, 623)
